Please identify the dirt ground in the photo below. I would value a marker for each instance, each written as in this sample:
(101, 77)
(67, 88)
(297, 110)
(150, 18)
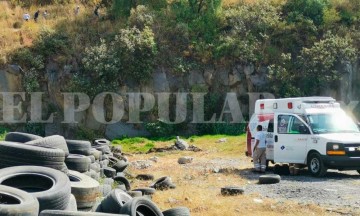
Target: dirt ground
(199, 184)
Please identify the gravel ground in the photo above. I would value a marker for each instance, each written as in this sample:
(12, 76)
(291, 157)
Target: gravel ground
(337, 190)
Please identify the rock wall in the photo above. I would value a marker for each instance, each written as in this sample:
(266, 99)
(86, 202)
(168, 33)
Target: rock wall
(239, 79)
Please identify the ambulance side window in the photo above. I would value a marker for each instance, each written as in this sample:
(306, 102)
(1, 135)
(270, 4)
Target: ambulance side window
(271, 126)
(283, 122)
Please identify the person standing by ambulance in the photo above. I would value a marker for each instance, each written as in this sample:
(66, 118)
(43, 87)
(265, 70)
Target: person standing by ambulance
(259, 151)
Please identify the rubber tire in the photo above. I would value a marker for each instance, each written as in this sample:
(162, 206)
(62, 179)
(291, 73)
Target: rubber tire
(21, 137)
(95, 166)
(103, 148)
(101, 142)
(54, 141)
(56, 197)
(79, 147)
(124, 181)
(358, 171)
(117, 164)
(78, 163)
(178, 211)
(105, 190)
(108, 181)
(146, 191)
(269, 179)
(322, 170)
(18, 154)
(28, 205)
(92, 158)
(85, 189)
(134, 194)
(109, 172)
(141, 205)
(114, 201)
(231, 191)
(95, 153)
(162, 183)
(72, 206)
(74, 213)
(145, 177)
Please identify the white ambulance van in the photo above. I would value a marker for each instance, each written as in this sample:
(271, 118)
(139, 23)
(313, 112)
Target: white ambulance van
(310, 131)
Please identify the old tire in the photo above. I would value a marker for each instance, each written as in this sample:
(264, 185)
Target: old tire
(316, 166)
(162, 183)
(17, 202)
(269, 179)
(101, 142)
(95, 153)
(103, 148)
(54, 141)
(109, 172)
(92, 158)
(114, 201)
(140, 205)
(179, 211)
(231, 191)
(81, 147)
(78, 163)
(124, 181)
(51, 187)
(105, 189)
(117, 164)
(134, 194)
(146, 191)
(72, 206)
(145, 177)
(21, 137)
(17, 154)
(84, 188)
(74, 213)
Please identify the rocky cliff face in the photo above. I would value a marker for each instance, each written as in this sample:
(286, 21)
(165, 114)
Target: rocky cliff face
(240, 79)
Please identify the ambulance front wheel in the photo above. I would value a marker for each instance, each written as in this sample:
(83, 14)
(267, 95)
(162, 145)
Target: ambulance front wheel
(316, 166)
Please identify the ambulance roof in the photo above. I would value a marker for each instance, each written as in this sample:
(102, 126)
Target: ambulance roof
(294, 105)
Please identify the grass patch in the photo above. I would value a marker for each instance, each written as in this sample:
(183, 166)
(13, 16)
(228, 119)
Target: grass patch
(234, 144)
(135, 145)
(3, 132)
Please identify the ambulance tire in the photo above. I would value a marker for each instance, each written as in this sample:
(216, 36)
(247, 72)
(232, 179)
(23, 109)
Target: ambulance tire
(316, 166)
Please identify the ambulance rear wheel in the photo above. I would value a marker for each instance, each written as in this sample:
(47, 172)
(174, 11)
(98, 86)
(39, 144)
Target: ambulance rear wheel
(316, 166)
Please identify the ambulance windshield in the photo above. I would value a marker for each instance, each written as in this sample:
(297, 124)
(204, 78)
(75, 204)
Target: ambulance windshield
(336, 122)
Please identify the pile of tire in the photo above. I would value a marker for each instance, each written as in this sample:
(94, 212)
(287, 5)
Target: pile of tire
(56, 176)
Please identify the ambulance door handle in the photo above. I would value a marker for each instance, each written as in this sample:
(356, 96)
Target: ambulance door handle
(276, 138)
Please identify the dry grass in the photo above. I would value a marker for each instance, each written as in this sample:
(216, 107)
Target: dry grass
(198, 187)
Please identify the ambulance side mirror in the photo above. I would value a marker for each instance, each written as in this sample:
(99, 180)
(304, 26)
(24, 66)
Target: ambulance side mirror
(303, 129)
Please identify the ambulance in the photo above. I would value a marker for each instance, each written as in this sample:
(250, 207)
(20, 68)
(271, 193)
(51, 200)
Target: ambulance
(307, 131)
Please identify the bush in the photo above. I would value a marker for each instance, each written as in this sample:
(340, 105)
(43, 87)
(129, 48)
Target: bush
(141, 17)
(320, 62)
(246, 31)
(311, 9)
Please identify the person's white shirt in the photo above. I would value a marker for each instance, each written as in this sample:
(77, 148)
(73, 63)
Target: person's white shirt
(26, 16)
(260, 135)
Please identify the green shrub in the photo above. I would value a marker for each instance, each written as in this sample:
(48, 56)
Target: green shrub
(311, 9)
(160, 129)
(130, 55)
(141, 17)
(320, 62)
